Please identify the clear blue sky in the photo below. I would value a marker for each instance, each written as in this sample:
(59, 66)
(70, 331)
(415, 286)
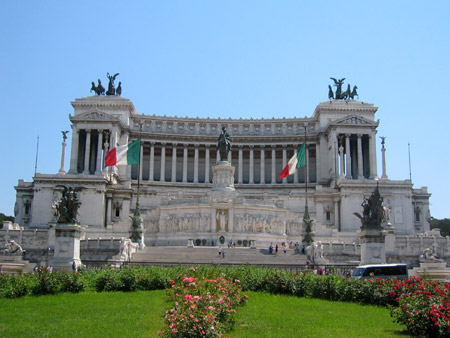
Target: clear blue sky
(227, 59)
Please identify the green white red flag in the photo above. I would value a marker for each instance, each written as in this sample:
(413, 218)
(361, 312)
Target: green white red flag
(296, 161)
(123, 155)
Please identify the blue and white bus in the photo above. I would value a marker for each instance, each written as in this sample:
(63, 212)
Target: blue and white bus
(399, 271)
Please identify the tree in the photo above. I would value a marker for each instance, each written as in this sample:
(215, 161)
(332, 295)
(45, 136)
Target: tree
(443, 224)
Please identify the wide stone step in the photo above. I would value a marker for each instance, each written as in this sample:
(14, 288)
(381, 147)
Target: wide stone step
(184, 255)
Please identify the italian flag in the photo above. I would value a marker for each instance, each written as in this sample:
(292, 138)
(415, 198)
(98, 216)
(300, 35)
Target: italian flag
(123, 155)
(296, 161)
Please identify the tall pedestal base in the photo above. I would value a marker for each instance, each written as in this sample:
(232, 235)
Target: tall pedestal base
(373, 249)
(67, 246)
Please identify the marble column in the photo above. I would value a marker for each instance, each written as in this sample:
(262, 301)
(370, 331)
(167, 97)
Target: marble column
(105, 149)
(251, 166)
(348, 166)
(263, 167)
(207, 163)
(108, 210)
(196, 163)
(185, 160)
(229, 157)
(62, 171)
(162, 176)
(274, 180)
(98, 166)
(87, 151)
(336, 215)
(384, 176)
(373, 156)
(217, 156)
(74, 150)
(285, 162)
(360, 157)
(341, 154)
(241, 164)
(174, 162)
(152, 161)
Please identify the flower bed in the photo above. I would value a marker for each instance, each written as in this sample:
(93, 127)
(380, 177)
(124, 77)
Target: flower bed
(201, 307)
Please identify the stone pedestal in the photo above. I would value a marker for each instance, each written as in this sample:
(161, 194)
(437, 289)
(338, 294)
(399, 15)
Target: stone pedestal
(190, 243)
(431, 270)
(67, 246)
(372, 247)
(223, 190)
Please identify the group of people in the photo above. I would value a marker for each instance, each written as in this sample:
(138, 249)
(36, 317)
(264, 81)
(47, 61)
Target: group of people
(38, 268)
(283, 245)
(222, 252)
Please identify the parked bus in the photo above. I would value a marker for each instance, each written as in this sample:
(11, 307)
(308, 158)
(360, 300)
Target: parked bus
(399, 271)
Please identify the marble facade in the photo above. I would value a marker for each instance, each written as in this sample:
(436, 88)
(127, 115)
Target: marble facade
(183, 194)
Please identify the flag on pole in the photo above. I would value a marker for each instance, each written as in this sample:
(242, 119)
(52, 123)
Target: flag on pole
(123, 155)
(296, 161)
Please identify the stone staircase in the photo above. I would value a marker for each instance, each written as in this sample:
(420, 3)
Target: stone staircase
(208, 255)
(14, 264)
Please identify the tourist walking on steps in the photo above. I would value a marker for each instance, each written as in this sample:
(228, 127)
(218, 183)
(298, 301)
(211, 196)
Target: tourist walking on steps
(223, 253)
(220, 251)
(285, 249)
(276, 248)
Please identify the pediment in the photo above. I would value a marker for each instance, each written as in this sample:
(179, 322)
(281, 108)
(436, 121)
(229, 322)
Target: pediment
(94, 115)
(354, 120)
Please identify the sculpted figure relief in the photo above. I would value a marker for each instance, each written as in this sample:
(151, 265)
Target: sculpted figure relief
(12, 248)
(428, 255)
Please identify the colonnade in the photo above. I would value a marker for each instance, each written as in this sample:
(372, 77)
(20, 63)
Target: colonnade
(357, 156)
(192, 163)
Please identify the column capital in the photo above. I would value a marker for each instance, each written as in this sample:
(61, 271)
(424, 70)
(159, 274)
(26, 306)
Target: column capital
(186, 145)
(240, 146)
(262, 146)
(251, 146)
(273, 146)
(152, 143)
(348, 134)
(196, 145)
(284, 146)
(87, 130)
(359, 135)
(163, 144)
(207, 146)
(174, 145)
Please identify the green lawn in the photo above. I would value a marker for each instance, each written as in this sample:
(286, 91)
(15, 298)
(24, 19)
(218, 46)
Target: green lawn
(267, 315)
(140, 314)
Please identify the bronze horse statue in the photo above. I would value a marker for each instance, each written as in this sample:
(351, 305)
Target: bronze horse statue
(99, 90)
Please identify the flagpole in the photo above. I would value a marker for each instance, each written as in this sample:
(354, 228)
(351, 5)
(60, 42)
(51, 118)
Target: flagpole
(306, 174)
(37, 153)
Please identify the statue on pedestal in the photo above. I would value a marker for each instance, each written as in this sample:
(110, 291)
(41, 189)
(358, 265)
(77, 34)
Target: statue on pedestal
(224, 144)
(67, 206)
(373, 212)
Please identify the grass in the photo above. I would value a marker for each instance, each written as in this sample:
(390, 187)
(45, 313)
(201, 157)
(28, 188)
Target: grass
(140, 314)
(88, 314)
(267, 315)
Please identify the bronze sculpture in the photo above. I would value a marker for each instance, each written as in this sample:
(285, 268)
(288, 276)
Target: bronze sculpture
(111, 89)
(224, 144)
(373, 211)
(67, 206)
(342, 95)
